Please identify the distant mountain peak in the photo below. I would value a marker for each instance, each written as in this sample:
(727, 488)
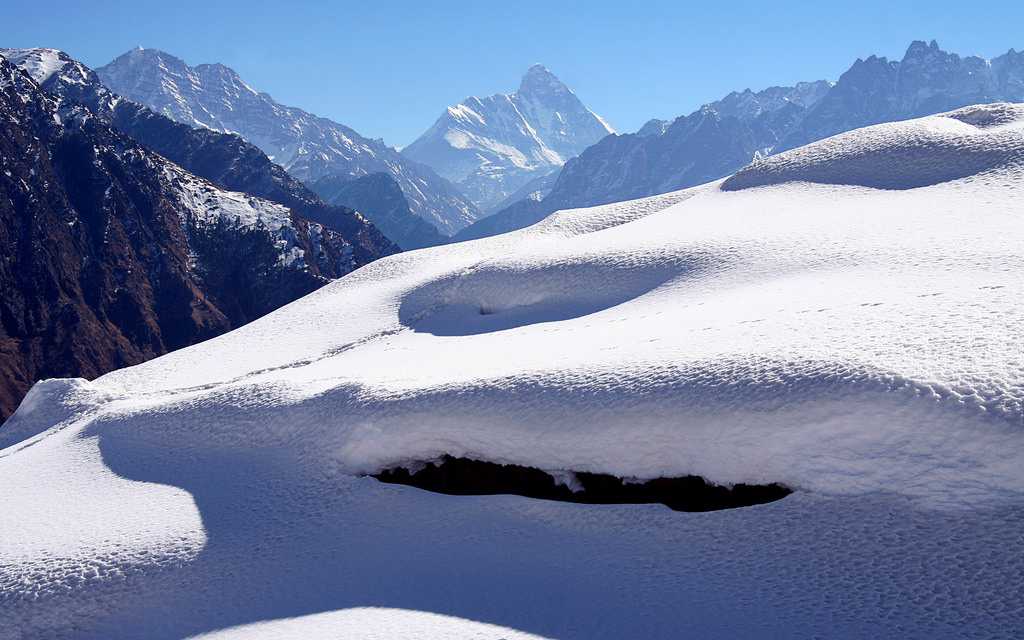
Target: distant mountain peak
(920, 46)
(142, 53)
(493, 146)
(538, 80)
(919, 50)
(214, 96)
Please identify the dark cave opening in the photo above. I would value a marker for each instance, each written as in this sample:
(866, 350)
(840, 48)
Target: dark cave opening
(463, 476)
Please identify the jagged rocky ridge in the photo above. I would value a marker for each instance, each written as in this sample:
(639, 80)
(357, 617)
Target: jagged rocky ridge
(723, 136)
(224, 159)
(113, 255)
(491, 147)
(309, 147)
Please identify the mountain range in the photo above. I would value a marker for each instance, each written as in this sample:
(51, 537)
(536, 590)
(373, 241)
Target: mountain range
(491, 147)
(309, 147)
(115, 254)
(249, 236)
(725, 135)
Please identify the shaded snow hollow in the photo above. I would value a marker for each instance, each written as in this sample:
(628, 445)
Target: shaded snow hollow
(861, 345)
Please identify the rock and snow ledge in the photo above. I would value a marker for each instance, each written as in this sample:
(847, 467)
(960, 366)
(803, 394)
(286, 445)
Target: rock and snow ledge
(861, 345)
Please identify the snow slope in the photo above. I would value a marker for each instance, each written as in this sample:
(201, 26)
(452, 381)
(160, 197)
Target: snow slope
(861, 345)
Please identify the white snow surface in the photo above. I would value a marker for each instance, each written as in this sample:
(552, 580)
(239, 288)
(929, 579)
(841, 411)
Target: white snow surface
(38, 63)
(864, 346)
(369, 623)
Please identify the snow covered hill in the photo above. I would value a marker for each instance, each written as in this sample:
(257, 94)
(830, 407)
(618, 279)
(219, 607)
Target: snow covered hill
(855, 335)
(307, 146)
(491, 147)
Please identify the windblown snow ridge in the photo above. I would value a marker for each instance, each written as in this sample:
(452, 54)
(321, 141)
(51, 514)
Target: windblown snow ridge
(901, 155)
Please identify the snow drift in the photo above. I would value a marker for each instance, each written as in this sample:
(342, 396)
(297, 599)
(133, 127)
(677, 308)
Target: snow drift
(792, 325)
(901, 155)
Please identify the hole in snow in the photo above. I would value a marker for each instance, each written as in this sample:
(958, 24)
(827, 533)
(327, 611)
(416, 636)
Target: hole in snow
(462, 476)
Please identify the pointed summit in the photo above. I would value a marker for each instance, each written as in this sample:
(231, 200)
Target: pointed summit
(538, 80)
(920, 49)
(493, 146)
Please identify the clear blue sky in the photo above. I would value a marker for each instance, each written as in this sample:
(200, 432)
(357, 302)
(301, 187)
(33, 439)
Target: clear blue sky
(388, 68)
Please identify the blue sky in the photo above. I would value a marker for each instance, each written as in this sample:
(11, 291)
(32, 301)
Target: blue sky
(389, 68)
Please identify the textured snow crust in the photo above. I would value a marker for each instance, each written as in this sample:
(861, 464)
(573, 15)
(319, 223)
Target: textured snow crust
(861, 345)
(901, 155)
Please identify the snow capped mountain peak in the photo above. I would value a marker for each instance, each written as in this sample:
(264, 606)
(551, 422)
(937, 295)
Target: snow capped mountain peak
(539, 81)
(310, 147)
(493, 146)
(41, 64)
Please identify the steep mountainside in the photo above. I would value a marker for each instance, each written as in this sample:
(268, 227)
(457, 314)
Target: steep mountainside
(723, 136)
(490, 147)
(307, 146)
(224, 159)
(113, 255)
(380, 194)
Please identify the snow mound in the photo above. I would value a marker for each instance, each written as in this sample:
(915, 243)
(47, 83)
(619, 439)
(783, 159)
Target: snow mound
(862, 346)
(369, 623)
(901, 155)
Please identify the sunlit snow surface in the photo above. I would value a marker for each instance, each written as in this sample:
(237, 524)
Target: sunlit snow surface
(864, 346)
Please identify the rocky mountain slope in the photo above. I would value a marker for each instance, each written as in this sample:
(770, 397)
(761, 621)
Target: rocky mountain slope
(113, 254)
(491, 147)
(309, 147)
(725, 135)
(378, 192)
(224, 159)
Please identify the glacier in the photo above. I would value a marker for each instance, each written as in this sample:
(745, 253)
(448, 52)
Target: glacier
(845, 318)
